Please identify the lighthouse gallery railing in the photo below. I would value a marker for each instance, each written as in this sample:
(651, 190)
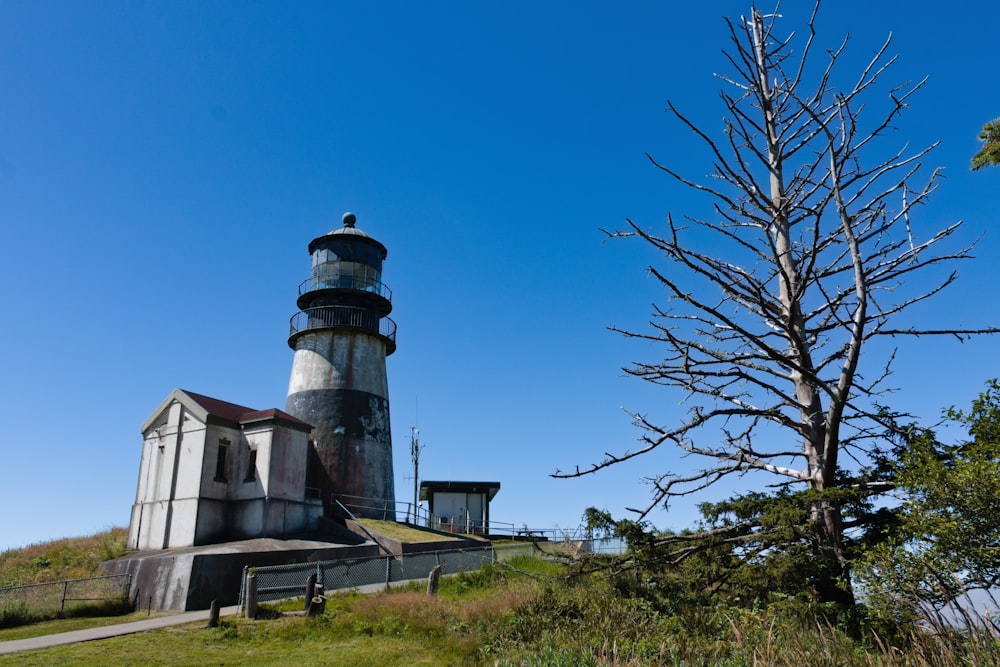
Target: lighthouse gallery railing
(351, 317)
(345, 281)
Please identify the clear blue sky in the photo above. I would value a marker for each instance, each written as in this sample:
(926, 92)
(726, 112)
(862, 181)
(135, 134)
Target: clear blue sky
(163, 166)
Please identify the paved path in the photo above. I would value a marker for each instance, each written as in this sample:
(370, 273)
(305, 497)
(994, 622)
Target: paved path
(106, 631)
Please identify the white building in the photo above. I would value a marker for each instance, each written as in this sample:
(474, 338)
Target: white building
(214, 471)
(459, 507)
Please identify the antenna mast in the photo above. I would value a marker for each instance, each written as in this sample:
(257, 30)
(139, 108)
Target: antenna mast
(415, 456)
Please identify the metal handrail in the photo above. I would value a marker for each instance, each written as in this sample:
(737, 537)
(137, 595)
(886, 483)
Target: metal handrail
(371, 536)
(379, 507)
(452, 524)
(345, 281)
(420, 516)
(349, 317)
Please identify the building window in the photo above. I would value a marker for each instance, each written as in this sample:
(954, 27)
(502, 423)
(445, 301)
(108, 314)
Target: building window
(251, 466)
(221, 461)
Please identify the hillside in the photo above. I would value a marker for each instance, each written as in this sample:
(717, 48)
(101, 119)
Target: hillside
(65, 558)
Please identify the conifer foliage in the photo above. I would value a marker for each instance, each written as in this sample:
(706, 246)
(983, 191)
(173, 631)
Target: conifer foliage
(989, 154)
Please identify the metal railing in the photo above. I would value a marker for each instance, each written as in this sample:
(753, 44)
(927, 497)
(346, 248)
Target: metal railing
(348, 317)
(345, 281)
(52, 597)
(578, 540)
(406, 512)
(374, 508)
(277, 582)
(458, 524)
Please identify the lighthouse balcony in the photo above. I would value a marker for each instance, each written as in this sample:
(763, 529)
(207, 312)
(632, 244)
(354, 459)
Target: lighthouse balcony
(360, 283)
(342, 317)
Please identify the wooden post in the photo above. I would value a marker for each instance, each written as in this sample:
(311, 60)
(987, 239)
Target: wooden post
(251, 594)
(213, 614)
(432, 580)
(317, 606)
(310, 590)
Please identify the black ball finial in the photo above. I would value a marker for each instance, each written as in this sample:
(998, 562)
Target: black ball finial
(349, 219)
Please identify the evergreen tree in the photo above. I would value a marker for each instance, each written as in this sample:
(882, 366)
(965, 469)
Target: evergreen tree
(990, 152)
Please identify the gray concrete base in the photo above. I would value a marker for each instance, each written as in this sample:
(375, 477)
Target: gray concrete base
(190, 578)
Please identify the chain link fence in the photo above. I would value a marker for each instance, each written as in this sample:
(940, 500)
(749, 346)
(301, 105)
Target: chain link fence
(69, 597)
(277, 582)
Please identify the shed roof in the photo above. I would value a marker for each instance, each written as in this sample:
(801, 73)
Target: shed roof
(489, 488)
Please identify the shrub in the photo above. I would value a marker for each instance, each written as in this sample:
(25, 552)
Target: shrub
(15, 613)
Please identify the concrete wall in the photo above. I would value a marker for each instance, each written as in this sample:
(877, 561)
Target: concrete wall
(180, 500)
(204, 482)
(165, 510)
(221, 520)
(282, 458)
(259, 440)
(189, 579)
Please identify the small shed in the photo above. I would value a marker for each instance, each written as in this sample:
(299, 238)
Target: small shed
(459, 507)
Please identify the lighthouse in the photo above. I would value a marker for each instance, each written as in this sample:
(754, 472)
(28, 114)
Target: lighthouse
(341, 337)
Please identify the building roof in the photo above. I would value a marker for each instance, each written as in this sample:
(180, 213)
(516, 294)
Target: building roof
(489, 488)
(219, 410)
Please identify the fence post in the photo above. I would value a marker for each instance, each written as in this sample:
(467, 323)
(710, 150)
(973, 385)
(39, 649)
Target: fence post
(241, 603)
(310, 590)
(432, 580)
(251, 594)
(317, 605)
(62, 603)
(388, 571)
(213, 614)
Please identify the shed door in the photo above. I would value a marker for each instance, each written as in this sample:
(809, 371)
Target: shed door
(450, 505)
(476, 503)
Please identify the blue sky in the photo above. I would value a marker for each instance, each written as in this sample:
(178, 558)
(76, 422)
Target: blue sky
(163, 166)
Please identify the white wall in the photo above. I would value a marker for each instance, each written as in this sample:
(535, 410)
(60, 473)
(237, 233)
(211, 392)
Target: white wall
(179, 501)
(166, 507)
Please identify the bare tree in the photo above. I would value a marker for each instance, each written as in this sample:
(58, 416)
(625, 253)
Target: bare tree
(811, 258)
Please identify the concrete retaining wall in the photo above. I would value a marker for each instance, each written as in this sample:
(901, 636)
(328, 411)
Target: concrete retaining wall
(189, 579)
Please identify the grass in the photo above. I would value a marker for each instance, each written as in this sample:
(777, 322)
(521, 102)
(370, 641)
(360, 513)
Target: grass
(404, 533)
(59, 560)
(281, 642)
(525, 613)
(402, 627)
(67, 558)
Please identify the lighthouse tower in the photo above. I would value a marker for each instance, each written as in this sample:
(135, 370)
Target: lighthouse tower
(341, 337)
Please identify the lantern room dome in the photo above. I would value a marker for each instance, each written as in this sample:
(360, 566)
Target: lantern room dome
(347, 236)
(349, 221)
